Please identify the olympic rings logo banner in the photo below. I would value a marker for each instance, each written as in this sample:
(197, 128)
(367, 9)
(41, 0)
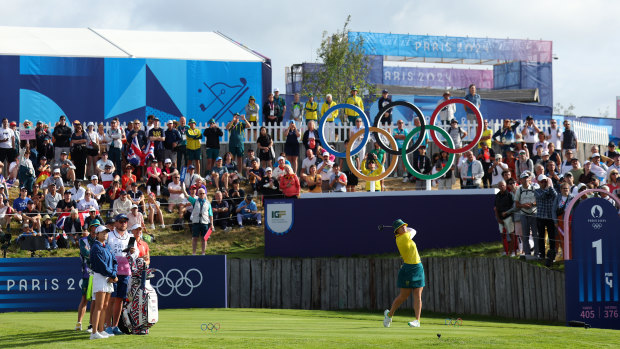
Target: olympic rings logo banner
(361, 137)
(42, 284)
(190, 281)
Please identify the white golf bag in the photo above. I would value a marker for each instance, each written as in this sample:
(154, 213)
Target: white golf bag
(140, 310)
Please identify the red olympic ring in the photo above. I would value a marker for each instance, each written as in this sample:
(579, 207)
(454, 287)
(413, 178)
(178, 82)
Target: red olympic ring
(476, 139)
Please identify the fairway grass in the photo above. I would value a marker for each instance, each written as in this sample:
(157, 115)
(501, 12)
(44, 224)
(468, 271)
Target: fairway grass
(270, 328)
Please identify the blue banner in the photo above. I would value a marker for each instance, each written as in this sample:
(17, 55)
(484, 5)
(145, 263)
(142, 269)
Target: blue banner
(98, 89)
(345, 224)
(592, 273)
(40, 284)
(490, 109)
(474, 50)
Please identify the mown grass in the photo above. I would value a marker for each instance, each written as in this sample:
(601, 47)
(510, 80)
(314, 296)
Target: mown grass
(271, 328)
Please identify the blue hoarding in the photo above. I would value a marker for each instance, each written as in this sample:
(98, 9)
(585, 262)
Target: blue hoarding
(39, 284)
(97, 89)
(454, 47)
(490, 109)
(345, 224)
(592, 273)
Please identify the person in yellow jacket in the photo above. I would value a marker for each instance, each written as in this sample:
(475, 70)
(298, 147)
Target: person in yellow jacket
(353, 99)
(311, 109)
(410, 275)
(192, 149)
(329, 123)
(372, 167)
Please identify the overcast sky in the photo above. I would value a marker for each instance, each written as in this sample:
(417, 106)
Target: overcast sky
(584, 33)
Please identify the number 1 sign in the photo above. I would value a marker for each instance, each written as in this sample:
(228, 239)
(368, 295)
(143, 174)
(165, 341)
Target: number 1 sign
(592, 275)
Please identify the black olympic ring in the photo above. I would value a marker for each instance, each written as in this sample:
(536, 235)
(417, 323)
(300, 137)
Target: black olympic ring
(210, 327)
(453, 322)
(421, 137)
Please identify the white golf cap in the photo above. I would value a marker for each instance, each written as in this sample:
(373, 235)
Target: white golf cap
(169, 122)
(134, 206)
(545, 153)
(135, 226)
(276, 90)
(281, 158)
(167, 161)
(101, 228)
(94, 177)
(596, 155)
(524, 175)
(541, 177)
(268, 169)
(325, 153)
(92, 209)
(90, 124)
(498, 156)
(57, 170)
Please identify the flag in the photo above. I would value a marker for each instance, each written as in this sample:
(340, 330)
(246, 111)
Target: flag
(135, 155)
(208, 234)
(150, 152)
(60, 222)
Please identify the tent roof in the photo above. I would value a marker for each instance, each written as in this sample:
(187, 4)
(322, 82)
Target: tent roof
(64, 42)
(89, 42)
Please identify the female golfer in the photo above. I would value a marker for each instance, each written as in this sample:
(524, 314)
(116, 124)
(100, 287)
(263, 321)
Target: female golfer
(410, 275)
(104, 267)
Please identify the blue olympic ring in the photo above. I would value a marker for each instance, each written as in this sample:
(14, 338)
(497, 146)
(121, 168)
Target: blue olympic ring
(364, 118)
(453, 322)
(210, 327)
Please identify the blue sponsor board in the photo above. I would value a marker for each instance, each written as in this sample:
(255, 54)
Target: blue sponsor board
(592, 273)
(345, 224)
(39, 284)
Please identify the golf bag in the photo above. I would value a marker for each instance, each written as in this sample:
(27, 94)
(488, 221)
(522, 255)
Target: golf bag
(140, 310)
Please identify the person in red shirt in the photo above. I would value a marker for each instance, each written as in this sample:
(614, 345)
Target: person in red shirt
(141, 245)
(128, 178)
(289, 183)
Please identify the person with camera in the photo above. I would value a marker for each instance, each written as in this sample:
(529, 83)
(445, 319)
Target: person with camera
(530, 133)
(289, 183)
(105, 267)
(371, 167)
(236, 135)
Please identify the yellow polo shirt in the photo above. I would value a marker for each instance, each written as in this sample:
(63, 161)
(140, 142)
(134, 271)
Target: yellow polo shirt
(407, 248)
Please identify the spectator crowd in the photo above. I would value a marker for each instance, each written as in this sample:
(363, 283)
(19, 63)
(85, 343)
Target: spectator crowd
(71, 171)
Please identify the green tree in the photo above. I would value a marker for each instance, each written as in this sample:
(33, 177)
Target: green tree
(342, 64)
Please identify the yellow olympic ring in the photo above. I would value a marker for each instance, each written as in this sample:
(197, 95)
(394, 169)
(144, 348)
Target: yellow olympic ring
(389, 170)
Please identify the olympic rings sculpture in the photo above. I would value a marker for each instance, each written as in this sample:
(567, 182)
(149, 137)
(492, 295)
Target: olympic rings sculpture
(453, 322)
(406, 149)
(213, 327)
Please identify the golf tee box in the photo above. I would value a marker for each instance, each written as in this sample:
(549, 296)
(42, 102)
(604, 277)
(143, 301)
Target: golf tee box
(345, 224)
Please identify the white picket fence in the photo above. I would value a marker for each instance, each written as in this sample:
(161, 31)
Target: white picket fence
(585, 133)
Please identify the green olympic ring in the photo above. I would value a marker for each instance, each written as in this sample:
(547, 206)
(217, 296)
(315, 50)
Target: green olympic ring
(408, 166)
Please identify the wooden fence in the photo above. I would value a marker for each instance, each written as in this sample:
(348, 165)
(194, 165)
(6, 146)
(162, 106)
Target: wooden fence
(487, 286)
